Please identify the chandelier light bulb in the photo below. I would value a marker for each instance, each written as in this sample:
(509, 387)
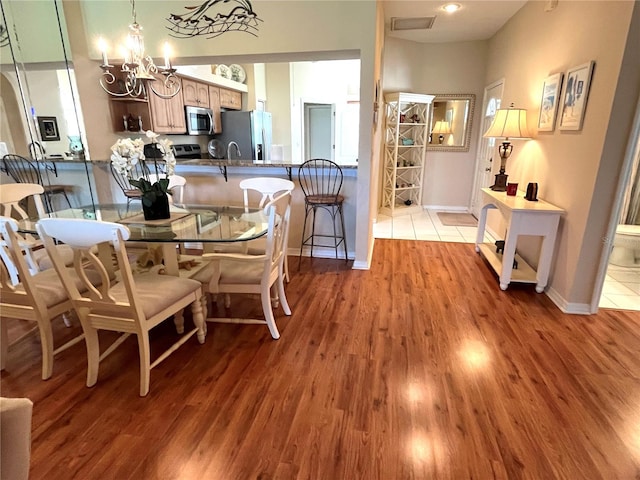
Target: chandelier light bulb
(138, 72)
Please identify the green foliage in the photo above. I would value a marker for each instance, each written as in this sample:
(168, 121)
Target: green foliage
(151, 191)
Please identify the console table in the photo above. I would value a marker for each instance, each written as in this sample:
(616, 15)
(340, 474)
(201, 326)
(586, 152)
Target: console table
(523, 218)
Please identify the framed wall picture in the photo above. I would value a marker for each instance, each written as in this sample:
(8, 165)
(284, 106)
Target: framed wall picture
(48, 128)
(574, 100)
(549, 102)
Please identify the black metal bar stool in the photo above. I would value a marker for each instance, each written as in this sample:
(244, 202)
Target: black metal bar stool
(23, 170)
(321, 181)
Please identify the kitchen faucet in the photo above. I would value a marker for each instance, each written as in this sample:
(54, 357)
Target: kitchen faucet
(229, 150)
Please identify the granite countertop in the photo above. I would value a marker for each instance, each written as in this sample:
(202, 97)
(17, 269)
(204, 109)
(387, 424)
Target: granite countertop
(247, 163)
(210, 162)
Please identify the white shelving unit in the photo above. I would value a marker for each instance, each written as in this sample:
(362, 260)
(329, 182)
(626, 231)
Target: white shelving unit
(406, 138)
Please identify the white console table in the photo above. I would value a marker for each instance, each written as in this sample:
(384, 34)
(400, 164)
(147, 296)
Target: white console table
(523, 218)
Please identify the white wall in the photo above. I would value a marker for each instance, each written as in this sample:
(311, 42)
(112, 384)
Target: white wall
(332, 82)
(575, 170)
(447, 68)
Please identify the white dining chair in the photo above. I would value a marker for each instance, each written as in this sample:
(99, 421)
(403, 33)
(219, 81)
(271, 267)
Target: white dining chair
(230, 273)
(177, 184)
(267, 187)
(14, 197)
(133, 305)
(38, 296)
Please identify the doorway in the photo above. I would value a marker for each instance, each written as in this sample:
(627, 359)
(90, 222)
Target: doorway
(486, 146)
(619, 274)
(319, 130)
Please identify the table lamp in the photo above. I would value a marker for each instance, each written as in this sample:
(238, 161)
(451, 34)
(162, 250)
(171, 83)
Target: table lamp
(441, 128)
(508, 123)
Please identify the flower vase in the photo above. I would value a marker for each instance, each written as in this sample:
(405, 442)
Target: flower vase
(158, 209)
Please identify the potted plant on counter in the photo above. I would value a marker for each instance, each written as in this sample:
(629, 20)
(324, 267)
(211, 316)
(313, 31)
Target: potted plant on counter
(127, 152)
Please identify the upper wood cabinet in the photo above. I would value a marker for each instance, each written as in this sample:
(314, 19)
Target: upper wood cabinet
(195, 94)
(214, 104)
(167, 114)
(230, 99)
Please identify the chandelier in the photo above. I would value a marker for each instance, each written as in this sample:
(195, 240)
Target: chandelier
(137, 72)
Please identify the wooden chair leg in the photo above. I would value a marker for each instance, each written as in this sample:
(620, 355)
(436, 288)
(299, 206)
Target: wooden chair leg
(145, 363)
(46, 342)
(4, 344)
(198, 320)
(283, 297)
(178, 321)
(268, 313)
(93, 355)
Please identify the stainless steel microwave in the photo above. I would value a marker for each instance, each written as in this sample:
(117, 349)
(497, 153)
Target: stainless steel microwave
(200, 121)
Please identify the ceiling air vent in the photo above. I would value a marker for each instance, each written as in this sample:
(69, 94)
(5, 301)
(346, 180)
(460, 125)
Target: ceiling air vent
(415, 23)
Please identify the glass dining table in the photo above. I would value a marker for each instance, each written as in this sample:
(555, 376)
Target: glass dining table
(187, 224)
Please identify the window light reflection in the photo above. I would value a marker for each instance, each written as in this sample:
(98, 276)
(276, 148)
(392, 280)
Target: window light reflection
(475, 355)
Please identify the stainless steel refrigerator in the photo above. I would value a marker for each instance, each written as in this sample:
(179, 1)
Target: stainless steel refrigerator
(250, 130)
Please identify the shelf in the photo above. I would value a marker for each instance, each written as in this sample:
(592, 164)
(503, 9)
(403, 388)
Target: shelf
(523, 274)
(128, 99)
(401, 209)
(411, 156)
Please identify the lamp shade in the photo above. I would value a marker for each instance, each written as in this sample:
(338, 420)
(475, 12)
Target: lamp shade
(509, 123)
(441, 127)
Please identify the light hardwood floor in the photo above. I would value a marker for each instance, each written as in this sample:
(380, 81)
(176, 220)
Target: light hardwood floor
(420, 368)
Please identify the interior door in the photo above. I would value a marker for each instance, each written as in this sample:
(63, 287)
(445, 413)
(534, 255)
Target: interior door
(486, 150)
(319, 130)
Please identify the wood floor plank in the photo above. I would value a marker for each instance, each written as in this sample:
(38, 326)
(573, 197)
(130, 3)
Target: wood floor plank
(419, 368)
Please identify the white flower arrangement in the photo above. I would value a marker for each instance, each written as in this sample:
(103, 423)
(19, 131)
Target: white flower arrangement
(127, 152)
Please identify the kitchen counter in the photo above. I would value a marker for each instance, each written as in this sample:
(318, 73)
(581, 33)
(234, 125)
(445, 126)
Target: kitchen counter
(223, 164)
(212, 162)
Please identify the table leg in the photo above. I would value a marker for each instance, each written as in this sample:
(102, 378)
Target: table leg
(170, 256)
(544, 262)
(508, 255)
(482, 223)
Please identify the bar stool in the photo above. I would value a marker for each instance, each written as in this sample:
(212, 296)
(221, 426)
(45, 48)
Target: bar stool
(321, 181)
(23, 170)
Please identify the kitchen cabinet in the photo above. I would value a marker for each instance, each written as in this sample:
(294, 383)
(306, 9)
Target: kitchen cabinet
(167, 114)
(121, 108)
(230, 99)
(194, 93)
(214, 104)
(405, 146)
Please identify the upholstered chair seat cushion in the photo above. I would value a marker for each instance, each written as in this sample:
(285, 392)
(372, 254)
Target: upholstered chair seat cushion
(44, 262)
(50, 288)
(15, 438)
(155, 292)
(236, 273)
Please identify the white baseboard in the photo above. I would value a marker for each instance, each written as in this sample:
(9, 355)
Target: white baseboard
(446, 208)
(568, 307)
(320, 252)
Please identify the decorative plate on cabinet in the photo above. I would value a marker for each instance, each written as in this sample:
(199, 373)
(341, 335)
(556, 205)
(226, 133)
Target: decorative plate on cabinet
(237, 73)
(223, 71)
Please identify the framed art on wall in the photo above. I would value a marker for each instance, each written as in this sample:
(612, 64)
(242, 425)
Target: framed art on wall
(574, 100)
(549, 102)
(48, 128)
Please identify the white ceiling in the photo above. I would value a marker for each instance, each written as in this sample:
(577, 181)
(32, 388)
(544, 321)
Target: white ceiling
(476, 20)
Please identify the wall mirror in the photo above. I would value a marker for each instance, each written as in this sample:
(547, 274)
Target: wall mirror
(40, 112)
(450, 125)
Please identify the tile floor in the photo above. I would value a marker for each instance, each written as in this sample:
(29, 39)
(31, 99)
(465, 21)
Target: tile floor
(621, 287)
